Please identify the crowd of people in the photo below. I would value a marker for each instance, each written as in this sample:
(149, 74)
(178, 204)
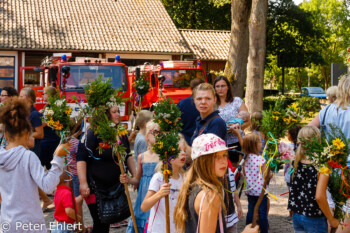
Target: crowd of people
(202, 189)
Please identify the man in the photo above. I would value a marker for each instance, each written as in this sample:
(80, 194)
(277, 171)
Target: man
(189, 112)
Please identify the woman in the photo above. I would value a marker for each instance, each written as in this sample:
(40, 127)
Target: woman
(209, 120)
(28, 95)
(51, 139)
(100, 170)
(7, 93)
(337, 113)
(21, 172)
(229, 107)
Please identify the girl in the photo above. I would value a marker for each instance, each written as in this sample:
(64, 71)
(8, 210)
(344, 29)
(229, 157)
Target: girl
(140, 144)
(157, 190)
(307, 215)
(293, 138)
(255, 127)
(29, 97)
(146, 164)
(200, 207)
(255, 181)
(21, 171)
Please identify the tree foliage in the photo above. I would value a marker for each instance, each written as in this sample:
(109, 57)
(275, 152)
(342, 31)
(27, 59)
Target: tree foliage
(290, 34)
(332, 18)
(199, 14)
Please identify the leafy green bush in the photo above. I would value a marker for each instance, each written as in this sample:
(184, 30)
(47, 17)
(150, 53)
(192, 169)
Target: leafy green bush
(308, 105)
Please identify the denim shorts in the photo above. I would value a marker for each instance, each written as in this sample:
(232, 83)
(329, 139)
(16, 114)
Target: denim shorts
(303, 224)
(75, 184)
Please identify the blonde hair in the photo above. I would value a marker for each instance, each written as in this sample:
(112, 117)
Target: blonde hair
(343, 93)
(204, 87)
(256, 118)
(332, 93)
(182, 141)
(201, 173)
(250, 143)
(51, 91)
(143, 117)
(30, 93)
(306, 132)
(149, 128)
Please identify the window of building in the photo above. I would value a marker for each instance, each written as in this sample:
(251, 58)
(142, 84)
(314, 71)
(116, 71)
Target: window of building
(7, 71)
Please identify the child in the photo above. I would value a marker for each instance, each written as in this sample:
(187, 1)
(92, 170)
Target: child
(158, 189)
(72, 164)
(21, 171)
(253, 169)
(200, 206)
(140, 144)
(255, 127)
(241, 117)
(146, 165)
(232, 219)
(65, 211)
(307, 215)
(293, 138)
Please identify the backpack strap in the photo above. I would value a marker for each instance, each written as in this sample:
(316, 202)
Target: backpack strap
(200, 210)
(206, 123)
(323, 126)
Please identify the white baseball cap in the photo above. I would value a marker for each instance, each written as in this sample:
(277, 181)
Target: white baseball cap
(207, 144)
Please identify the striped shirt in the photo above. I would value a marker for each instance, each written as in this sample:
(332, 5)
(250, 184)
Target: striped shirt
(231, 219)
(72, 161)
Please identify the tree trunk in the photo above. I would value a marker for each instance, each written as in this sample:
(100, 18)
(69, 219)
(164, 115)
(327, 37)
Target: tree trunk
(236, 66)
(325, 70)
(256, 60)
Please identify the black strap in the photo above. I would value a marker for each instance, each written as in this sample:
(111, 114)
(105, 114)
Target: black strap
(206, 123)
(2, 138)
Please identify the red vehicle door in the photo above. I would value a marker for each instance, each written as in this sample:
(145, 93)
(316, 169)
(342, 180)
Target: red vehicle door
(33, 77)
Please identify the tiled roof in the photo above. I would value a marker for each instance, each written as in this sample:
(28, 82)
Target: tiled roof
(208, 44)
(89, 25)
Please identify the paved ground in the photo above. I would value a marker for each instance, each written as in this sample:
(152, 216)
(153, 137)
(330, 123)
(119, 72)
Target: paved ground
(277, 215)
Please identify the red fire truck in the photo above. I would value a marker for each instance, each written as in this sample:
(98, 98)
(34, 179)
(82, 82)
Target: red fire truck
(168, 79)
(70, 78)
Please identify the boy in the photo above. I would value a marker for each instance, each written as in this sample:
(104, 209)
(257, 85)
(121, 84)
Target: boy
(65, 212)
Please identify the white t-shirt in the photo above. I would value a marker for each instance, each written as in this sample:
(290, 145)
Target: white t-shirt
(157, 215)
(233, 218)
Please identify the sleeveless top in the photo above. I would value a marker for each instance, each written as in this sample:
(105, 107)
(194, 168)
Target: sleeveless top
(192, 218)
(140, 216)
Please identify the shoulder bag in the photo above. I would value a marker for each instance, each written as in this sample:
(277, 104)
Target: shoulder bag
(112, 203)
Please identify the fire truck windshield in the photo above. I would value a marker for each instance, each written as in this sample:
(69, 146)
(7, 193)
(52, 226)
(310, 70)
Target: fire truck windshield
(180, 77)
(81, 75)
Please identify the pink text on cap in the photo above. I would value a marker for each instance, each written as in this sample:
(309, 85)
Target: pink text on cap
(213, 144)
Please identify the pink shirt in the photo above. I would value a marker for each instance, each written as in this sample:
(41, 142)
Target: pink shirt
(252, 167)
